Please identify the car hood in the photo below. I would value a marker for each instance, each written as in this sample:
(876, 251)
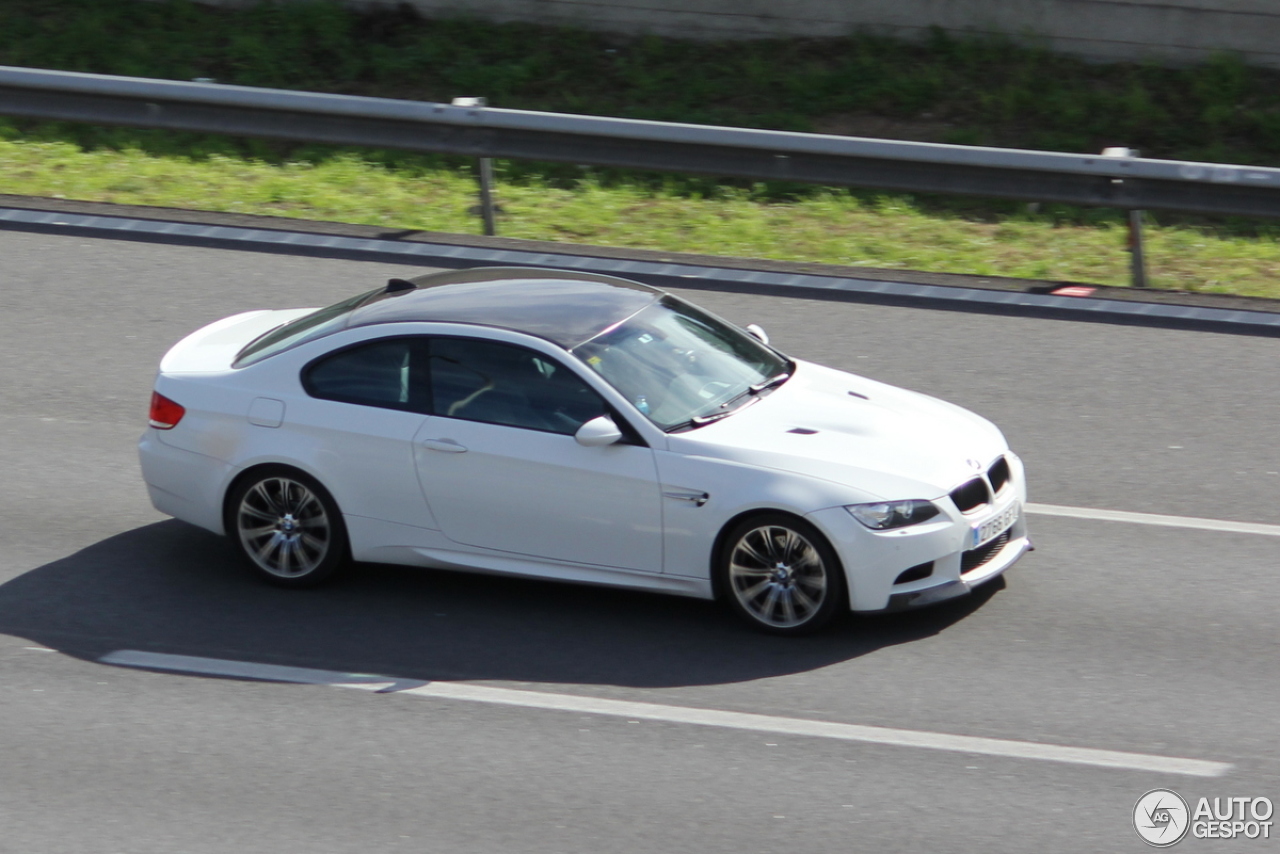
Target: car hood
(882, 441)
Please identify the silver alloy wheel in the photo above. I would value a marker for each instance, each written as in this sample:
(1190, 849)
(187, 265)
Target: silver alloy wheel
(283, 527)
(777, 576)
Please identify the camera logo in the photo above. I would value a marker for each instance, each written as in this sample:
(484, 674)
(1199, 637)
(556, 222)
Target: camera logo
(1161, 817)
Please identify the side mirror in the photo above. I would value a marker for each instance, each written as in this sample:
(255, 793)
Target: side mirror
(758, 331)
(598, 432)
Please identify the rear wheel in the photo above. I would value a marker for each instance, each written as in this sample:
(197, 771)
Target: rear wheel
(781, 575)
(286, 527)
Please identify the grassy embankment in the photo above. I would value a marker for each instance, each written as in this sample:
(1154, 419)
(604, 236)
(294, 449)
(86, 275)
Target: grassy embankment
(947, 91)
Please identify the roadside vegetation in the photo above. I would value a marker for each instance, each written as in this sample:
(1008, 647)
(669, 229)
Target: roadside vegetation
(967, 92)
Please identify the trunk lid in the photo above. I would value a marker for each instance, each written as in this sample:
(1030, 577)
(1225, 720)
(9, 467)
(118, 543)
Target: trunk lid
(214, 347)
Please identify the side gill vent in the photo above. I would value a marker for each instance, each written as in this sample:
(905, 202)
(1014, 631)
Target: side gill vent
(803, 431)
(970, 495)
(856, 394)
(999, 474)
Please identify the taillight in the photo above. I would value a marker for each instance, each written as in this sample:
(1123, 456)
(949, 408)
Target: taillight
(165, 414)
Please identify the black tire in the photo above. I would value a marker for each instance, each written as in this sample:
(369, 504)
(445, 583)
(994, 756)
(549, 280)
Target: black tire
(286, 527)
(780, 575)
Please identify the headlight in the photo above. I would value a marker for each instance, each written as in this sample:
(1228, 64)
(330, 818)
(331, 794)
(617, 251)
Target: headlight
(884, 515)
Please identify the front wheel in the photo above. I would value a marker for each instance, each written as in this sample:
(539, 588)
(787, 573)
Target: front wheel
(781, 575)
(286, 527)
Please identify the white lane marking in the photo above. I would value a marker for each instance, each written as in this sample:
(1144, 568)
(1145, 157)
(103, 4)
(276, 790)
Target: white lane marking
(634, 711)
(242, 669)
(1155, 519)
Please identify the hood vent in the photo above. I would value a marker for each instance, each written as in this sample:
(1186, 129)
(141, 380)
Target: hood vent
(803, 431)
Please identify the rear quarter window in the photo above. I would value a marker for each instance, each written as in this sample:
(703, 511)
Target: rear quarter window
(388, 374)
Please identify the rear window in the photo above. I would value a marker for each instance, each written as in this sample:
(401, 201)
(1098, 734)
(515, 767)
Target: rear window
(309, 327)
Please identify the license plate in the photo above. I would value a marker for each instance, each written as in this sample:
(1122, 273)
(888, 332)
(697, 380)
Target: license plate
(994, 527)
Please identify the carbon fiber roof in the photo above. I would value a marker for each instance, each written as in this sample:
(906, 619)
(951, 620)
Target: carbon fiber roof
(561, 306)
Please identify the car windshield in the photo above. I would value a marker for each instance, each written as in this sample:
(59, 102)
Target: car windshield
(317, 324)
(682, 367)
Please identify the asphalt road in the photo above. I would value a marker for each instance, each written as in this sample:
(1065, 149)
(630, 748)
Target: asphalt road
(1157, 641)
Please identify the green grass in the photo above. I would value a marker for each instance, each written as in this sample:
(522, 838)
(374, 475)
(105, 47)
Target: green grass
(988, 92)
(832, 227)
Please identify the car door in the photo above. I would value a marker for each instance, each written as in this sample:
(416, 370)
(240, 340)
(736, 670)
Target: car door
(364, 404)
(500, 468)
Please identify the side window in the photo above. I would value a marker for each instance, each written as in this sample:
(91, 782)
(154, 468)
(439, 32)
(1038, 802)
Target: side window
(382, 373)
(505, 384)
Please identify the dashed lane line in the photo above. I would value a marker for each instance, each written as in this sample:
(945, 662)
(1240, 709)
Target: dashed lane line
(631, 710)
(1191, 522)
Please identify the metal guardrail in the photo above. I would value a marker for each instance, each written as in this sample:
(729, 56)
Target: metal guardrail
(1119, 182)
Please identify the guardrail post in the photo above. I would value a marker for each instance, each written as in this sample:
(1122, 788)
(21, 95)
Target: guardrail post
(485, 176)
(1137, 251)
(486, 196)
(1136, 245)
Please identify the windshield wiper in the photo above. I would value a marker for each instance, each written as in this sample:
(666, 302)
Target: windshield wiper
(699, 421)
(773, 382)
(756, 390)
(750, 391)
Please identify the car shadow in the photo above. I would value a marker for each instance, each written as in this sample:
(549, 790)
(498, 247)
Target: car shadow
(172, 588)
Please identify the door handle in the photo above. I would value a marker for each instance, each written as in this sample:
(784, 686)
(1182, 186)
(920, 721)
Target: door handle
(698, 498)
(447, 445)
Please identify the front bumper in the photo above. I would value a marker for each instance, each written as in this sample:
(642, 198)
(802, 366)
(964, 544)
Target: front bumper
(930, 562)
(966, 583)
